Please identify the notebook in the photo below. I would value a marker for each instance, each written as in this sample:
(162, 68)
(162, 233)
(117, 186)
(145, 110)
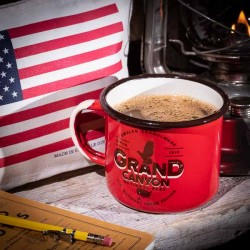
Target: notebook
(13, 238)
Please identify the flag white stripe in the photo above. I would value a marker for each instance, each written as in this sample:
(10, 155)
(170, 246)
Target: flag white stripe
(69, 72)
(68, 51)
(46, 7)
(65, 31)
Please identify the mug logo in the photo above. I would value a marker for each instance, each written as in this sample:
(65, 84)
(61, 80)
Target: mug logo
(144, 172)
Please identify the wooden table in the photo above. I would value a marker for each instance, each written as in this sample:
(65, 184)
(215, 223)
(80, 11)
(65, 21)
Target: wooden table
(84, 191)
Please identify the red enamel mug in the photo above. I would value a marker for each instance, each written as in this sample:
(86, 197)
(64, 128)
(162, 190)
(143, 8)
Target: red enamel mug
(151, 166)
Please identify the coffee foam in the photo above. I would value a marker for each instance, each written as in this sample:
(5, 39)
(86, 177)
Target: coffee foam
(166, 108)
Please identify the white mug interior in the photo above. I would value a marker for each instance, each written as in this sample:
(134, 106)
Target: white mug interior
(163, 86)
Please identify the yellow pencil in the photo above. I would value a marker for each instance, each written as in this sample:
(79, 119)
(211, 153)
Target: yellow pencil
(56, 231)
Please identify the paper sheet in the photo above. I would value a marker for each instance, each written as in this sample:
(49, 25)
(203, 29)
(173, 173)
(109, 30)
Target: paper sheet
(13, 238)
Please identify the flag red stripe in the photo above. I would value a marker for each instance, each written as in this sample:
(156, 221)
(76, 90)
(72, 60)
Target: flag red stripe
(62, 21)
(69, 61)
(50, 148)
(47, 108)
(33, 153)
(72, 81)
(34, 133)
(68, 41)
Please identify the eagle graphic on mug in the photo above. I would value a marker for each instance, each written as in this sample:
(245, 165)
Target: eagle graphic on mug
(148, 151)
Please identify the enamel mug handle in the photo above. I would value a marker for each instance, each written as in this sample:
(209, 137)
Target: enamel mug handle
(80, 141)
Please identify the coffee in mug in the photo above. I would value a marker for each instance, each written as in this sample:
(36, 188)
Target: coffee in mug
(166, 108)
(153, 164)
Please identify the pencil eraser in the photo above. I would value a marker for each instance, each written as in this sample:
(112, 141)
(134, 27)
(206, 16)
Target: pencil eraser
(107, 241)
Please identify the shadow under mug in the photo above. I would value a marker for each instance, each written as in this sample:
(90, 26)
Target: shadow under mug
(150, 166)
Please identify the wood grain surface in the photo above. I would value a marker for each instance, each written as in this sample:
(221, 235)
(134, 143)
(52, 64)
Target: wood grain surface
(84, 191)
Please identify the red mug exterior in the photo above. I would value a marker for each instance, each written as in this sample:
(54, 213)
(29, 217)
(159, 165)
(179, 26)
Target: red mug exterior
(156, 167)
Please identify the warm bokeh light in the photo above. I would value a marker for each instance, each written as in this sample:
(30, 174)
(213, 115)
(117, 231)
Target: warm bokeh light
(242, 20)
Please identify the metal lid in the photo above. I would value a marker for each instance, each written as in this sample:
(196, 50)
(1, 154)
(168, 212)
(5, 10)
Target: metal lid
(240, 106)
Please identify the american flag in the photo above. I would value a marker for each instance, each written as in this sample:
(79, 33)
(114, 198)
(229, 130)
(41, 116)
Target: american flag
(46, 69)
